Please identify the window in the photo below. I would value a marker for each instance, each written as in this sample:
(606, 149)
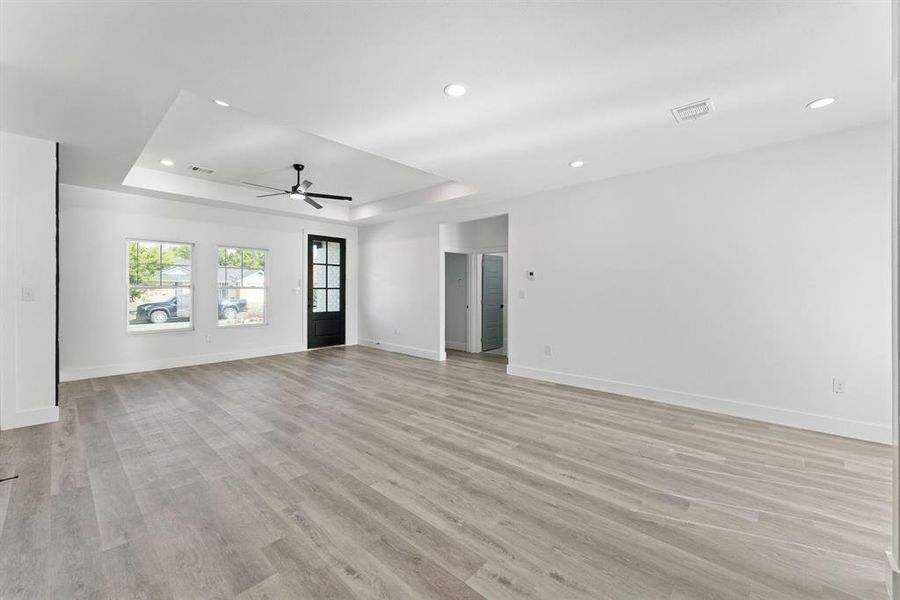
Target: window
(326, 276)
(242, 286)
(159, 286)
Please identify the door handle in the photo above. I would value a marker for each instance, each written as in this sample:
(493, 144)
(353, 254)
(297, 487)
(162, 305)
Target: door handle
(501, 306)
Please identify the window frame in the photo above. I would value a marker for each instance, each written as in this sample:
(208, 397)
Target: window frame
(128, 286)
(264, 288)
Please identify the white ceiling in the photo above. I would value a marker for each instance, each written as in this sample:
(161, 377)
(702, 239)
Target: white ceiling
(548, 83)
(242, 147)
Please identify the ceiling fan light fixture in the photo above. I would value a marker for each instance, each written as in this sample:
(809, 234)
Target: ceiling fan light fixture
(298, 191)
(455, 90)
(575, 164)
(821, 102)
(222, 103)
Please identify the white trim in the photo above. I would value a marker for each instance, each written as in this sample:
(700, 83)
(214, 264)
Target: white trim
(892, 576)
(461, 346)
(411, 351)
(173, 363)
(473, 318)
(482, 250)
(844, 427)
(27, 418)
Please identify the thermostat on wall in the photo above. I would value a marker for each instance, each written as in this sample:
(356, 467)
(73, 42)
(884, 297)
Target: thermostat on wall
(529, 274)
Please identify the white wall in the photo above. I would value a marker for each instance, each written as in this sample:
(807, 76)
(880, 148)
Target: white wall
(456, 301)
(400, 279)
(27, 260)
(483, 235)
(94, 225)
(742, 284)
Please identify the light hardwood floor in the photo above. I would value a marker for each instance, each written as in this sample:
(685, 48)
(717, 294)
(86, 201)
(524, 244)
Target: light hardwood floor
(355, 473)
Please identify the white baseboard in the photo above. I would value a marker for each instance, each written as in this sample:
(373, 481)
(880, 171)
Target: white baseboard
(779, 416)
(27, 418)
(410, 350)
(461, 346)
(74, 374)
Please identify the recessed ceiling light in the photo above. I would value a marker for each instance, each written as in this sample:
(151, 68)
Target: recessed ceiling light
(167, 162)
(455, 89)
(222, 103)
(820, 103)
(576, 163)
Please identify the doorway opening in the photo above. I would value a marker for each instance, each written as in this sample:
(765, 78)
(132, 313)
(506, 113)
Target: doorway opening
(475, 302)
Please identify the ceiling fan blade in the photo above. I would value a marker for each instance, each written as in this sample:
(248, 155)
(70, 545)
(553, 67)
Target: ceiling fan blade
(267, 195)
(330, 196)
(265, 186)
(304, 185)
(312, 203)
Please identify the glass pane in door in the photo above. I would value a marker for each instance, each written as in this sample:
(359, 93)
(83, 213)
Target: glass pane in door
(334, 277)
(319, 276)
(319, 301)
(318, 248)
(334, 300)
(334, 253)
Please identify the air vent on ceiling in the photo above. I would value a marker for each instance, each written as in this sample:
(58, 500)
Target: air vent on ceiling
(203, 170)
(693, 111)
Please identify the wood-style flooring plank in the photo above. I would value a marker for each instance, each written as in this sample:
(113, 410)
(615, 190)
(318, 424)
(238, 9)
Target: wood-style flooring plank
(360, 474)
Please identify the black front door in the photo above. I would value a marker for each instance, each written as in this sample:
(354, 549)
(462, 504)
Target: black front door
(327, 294)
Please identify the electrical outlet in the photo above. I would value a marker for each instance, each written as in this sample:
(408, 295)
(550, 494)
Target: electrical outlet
(522, 294)
(548, 350)
(396, 331)
(27, 294)
(209, 339)
(838, 386)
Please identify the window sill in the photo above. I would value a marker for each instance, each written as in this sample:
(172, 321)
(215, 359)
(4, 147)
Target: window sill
(153, 331)
(241, 325)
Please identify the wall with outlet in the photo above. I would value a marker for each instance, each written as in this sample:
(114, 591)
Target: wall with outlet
(755, 284)
(399, 282)
(94, 225)
(28, 272)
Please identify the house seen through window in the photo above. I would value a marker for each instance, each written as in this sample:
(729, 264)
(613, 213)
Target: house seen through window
(242, 286)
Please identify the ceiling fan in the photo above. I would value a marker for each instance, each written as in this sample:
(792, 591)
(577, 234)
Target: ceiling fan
(298, 191)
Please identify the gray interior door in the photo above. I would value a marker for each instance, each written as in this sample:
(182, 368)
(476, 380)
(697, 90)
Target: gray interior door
(491, 302)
